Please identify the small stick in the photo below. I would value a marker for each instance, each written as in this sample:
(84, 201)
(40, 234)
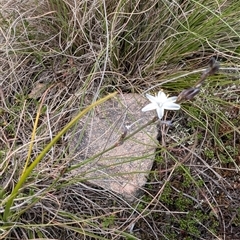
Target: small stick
(214, 67)
(188, 94)
(3, 98)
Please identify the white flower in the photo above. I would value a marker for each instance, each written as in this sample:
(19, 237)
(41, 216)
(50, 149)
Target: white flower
(161, 102)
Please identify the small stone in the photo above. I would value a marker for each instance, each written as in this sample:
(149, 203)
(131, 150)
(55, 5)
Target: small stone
(124, 168)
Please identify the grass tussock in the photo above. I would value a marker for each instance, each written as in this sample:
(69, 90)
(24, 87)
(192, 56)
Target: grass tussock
(59, 57)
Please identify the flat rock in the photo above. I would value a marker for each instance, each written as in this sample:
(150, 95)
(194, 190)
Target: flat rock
(119, 166)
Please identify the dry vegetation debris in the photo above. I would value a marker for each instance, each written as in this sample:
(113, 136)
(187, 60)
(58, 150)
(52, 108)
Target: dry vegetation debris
(61, 55)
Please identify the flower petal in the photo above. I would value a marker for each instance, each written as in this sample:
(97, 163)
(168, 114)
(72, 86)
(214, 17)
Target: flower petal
(150, 106)
(171, 106)
(172, 99)
(151, 98)
(160, 112)
(162, 97)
